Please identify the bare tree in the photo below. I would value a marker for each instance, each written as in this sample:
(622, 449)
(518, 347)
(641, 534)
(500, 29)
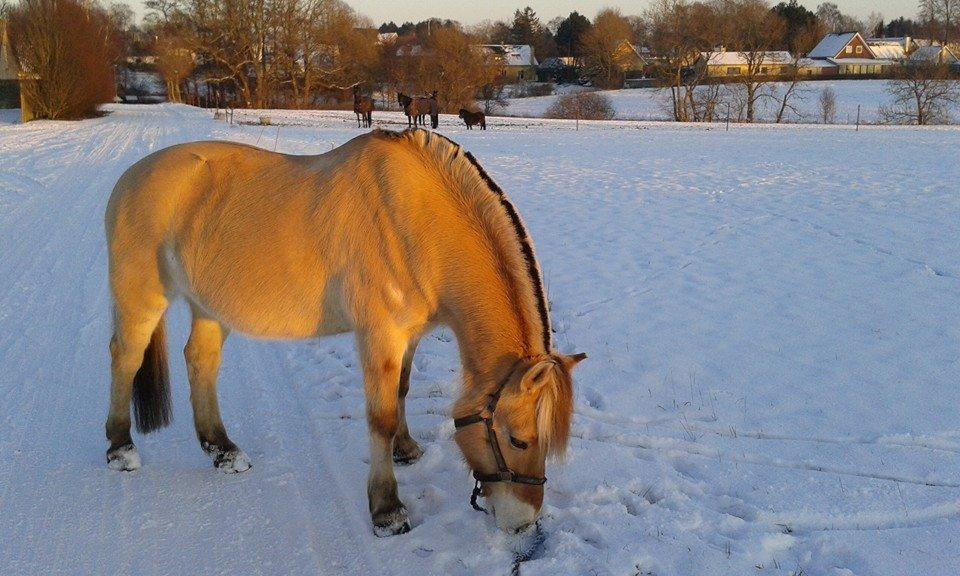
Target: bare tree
(599, 46)
(922, 94)
(940, 18)
(792, 88)
(755, 31)
(828, 105)
(682, 32)
(175, 63)
(68, 47)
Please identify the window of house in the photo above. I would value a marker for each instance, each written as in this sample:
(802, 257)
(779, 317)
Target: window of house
(859, 49)
(848, 49)
(733, 71)
(764, 70)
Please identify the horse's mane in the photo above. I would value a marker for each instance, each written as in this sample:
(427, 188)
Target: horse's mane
(501, 223)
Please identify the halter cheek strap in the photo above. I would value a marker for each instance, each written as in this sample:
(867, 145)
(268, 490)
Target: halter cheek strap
(503, 473)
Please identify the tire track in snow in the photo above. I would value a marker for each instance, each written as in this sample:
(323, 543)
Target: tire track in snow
(673, 445)
(926, 442)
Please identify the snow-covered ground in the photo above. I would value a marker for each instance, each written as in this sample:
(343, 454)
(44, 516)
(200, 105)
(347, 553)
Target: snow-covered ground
(772, 316)
(651, 103)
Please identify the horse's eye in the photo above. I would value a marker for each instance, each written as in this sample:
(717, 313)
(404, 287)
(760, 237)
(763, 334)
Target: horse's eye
(518, 444)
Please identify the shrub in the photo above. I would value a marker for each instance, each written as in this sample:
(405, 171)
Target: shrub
(67, 46)
(583, 105)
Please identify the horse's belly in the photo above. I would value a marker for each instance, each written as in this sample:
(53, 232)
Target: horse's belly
(263, 301)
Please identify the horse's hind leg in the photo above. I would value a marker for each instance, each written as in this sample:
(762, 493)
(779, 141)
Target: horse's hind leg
(405, 448)
(133, 332)
(202, 354)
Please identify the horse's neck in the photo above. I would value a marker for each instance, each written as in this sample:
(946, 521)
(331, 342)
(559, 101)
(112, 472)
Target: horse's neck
(491, 336)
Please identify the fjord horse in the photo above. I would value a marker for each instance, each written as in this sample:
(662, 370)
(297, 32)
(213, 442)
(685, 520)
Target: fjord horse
(363, 108)
(472, 118)
(386, 236)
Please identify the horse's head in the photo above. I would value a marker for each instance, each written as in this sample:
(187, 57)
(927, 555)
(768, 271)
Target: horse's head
(530, 421)
(464, 112)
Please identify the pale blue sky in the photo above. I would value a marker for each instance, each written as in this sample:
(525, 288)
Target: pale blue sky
(470, 12)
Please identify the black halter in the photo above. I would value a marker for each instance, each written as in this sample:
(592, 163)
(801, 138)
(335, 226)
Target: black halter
(504, 473)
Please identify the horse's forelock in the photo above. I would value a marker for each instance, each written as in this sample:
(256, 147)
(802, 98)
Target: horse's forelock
(555, 412)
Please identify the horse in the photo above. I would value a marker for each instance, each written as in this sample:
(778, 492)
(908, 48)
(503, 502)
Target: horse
(386, 236)
(417, 108)
(363, 108)
(470, 118)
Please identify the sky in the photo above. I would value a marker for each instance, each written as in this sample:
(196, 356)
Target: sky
(471, 12)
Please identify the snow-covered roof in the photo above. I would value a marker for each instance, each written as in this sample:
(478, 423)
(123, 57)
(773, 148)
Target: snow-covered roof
(931, 54)
(888, 50)
(513, 54)
(812, 63)
(387, 37)
(741, 58)
(862, 62)
(831, 45)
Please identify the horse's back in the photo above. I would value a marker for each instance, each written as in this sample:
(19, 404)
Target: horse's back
(260, 239)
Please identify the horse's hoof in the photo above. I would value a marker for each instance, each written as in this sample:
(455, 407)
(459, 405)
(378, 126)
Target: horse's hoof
(124, 458)
(407, 452)
(391, 524)
(232, 462)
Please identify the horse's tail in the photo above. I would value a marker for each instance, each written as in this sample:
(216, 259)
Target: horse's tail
(151, 385)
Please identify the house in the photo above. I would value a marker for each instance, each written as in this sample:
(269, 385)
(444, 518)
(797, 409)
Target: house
(725, 64)
(631, 59)
(9, 71)
(851, 54)
(932, 56)
(892, 48)
(517, 61)
(816, 68)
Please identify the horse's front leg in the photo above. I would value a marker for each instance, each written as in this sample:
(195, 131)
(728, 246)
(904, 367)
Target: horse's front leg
(381, 355)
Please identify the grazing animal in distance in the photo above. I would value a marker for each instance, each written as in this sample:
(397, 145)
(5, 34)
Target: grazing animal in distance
(294, 247)
(363, 108)
(473, 118)
(417, 108)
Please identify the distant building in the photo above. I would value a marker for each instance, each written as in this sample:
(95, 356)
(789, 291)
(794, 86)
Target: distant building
(932, 56)
(892, 48)
(733, 64)
(851, 55)
(9, 71)
(517, 61)
(631, 59)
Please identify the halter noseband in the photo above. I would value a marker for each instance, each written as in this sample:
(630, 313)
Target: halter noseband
(504, 473)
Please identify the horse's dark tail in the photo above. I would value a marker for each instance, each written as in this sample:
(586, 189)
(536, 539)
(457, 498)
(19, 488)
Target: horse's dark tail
(151, 385)
(434, 121)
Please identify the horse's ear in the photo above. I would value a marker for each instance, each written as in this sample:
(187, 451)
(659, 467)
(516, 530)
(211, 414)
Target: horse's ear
(535, 376)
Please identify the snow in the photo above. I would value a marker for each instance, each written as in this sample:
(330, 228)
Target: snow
(772, 316)
(653, 103)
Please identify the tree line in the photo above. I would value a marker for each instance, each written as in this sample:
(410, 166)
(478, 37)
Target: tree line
(311, 53)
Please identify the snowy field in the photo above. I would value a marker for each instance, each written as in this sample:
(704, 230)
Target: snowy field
(772, 316)
(652, 103)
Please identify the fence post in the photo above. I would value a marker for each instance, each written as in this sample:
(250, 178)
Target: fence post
(578, 111)
(728, 116)
(858, 118)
